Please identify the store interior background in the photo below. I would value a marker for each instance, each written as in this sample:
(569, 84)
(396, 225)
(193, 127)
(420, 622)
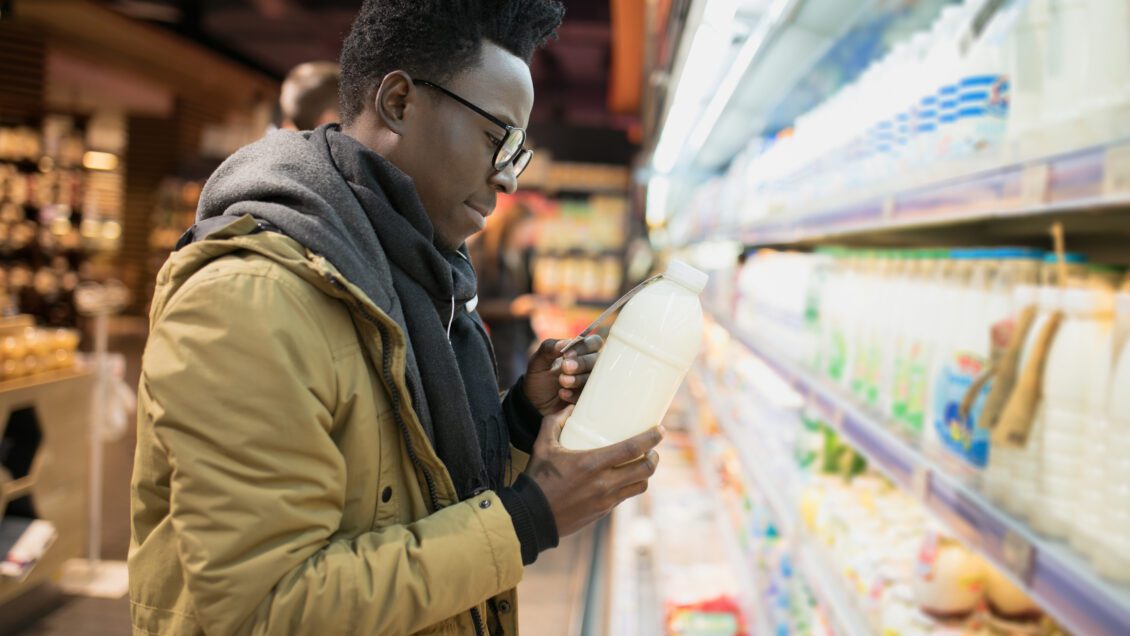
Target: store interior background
(795, 497)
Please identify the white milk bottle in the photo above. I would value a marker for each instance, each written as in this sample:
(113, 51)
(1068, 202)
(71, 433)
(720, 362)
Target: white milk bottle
(1111, 553)
(962, 359)
(1000, 477)
(1026, 462)
(1074, 380)
(649, 351)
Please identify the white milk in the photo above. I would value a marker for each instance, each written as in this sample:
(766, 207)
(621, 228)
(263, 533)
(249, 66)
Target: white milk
(1074, 381)
(1112, 552)
(1023, 496)
(649, 351)
(999, 477)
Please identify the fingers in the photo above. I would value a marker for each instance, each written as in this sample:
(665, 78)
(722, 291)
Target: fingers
(631, 448)
(569, 396)
(589, 345)
(551, 348)
(637, 470)
(573, 381)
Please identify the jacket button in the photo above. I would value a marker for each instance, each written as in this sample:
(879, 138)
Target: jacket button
(387, 494)
(504, 606)
(484, 504)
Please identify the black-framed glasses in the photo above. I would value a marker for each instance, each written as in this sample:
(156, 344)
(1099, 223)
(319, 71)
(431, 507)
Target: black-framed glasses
(510, 148)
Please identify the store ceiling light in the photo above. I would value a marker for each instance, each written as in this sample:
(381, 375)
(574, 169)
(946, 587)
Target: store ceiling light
(94, 160)
(707, 54)
(751, 48)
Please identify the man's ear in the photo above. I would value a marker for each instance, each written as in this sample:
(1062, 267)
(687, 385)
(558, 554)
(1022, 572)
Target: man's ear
(395, 100)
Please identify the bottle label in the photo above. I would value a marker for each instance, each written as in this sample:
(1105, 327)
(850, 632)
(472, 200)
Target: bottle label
(962, 437)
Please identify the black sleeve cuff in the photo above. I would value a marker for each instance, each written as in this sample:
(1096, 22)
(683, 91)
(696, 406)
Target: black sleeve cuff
(533, 520)
(522, 417)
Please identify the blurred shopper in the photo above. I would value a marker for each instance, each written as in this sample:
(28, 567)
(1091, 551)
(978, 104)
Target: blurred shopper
(321, 444)
(502, 255)
(309, 96)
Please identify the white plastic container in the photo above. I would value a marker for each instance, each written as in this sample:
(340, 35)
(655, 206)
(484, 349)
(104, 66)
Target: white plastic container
(1111, 554)
(1023, 496)
(649, 351)
(1075, 381)
(1000, 477)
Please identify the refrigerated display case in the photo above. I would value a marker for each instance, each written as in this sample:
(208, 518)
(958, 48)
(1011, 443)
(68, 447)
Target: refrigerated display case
(882, 355)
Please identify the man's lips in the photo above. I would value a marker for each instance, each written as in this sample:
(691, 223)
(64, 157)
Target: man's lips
(485, 211)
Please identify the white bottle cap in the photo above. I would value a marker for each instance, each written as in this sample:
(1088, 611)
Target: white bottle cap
(687, 276)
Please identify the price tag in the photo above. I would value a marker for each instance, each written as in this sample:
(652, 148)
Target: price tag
(1116, 170)
(920, 483)
(1019, 555)
(1034, 184)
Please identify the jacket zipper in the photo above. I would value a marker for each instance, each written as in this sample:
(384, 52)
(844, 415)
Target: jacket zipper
(386, 371)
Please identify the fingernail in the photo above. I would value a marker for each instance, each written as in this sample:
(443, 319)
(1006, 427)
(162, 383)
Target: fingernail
(572, 353)
(560, 345)
(568, 380)
(571, 366)
(556, 365)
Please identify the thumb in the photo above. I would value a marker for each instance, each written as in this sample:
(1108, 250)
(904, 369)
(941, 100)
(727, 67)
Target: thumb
(552, 425)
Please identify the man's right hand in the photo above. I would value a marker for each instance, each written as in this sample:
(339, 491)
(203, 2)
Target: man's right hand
(583, 486)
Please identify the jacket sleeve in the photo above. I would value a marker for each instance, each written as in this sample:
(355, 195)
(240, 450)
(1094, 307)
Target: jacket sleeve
(241, 379)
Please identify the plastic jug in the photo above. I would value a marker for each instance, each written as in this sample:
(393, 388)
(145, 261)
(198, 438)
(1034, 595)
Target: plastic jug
(649, 351)
(1112, 552)
(1025, 464)
(1075, 381)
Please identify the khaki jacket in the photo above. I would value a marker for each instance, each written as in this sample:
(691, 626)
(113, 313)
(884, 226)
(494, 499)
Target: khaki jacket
(273, 490)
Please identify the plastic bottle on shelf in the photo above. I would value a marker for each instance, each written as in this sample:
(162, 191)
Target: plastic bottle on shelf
(1075, 381)
(1028, 57)
(1027, 463)
(893, 376)
(1108, 74)
(1111, 551)
(962, 358)
(1065, 73)
(1001, 476)
(984, 89)
(649, 351)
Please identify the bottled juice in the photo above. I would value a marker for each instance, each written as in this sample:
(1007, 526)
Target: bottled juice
(649, 351)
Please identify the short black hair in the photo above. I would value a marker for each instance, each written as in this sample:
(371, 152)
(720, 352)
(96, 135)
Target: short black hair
(436, 39)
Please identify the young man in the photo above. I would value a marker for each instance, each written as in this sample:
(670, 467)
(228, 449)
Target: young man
(321, 444)
(309, 96)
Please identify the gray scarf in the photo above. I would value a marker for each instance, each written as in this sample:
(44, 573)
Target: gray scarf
(343, 201)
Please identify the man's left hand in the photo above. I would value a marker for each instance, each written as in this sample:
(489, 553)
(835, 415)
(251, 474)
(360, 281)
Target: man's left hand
(553, 381)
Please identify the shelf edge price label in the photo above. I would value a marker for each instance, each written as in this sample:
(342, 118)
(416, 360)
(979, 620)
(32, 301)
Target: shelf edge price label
(1034, 184)
(1019, 555)
(1116, 170)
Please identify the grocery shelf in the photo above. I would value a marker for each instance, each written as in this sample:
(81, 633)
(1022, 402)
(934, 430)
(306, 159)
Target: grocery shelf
(753, 610)
(1066, 586)
(812, 559)
(1092, 180)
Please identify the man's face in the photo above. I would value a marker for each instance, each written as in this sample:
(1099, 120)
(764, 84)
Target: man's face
(450, 148)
